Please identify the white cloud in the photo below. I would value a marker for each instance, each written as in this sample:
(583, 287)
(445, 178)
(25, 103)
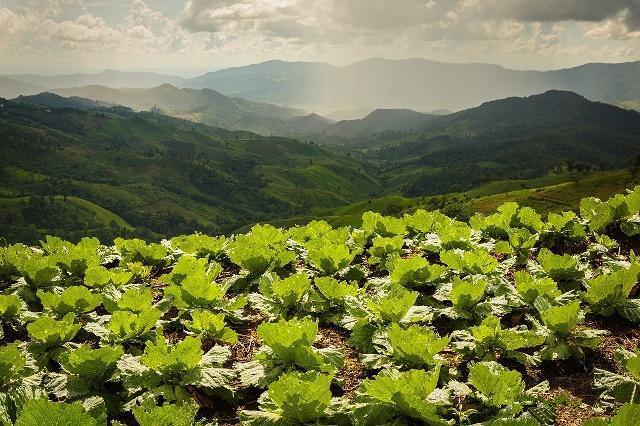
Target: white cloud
(339, 30)
(614, 29)
(437, 19)
(84, 29)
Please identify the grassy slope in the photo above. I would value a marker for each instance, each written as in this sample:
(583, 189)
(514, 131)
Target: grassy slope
(562, 195)
(102, 216)
(551, 193)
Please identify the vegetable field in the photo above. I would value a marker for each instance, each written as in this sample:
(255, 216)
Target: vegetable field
(510, 319)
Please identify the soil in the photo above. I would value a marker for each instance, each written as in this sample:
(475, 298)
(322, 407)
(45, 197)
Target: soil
(353, 372)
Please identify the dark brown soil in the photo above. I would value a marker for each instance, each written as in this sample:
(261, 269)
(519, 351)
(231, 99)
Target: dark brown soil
(229, 270)
(353, 372)
(571, 381)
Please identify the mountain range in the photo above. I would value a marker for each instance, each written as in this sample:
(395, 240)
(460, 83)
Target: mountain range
(205, 105)
(417, 84)
(108, 78)
(212, 108)
(10, 88)
(113, 170)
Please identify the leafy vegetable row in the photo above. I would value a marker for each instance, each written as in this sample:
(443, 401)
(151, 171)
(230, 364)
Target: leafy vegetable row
(444, 318)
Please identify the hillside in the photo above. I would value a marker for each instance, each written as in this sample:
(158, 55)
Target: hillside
(631, 104)
(418, 84)
(515, 138)
(205, 106)
(552, 193)
(158, 174)
(506, 319)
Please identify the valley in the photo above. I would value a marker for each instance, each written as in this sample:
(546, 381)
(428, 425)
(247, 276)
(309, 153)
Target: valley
(107, 170)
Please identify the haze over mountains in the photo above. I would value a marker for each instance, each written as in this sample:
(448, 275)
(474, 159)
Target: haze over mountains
(10, 88)
(417, 84)
(206, 106)
(108, 78)
(212, 108)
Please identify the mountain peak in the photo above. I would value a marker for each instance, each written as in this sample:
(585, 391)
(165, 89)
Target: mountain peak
(166, 86)
(566, 94)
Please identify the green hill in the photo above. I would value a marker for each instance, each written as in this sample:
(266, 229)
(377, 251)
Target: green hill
(159, 174)
(163, 176)
(515, 138)
(552, 193)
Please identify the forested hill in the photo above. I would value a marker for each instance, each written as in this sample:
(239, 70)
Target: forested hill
(522, 114)
(115, 172)
(514, 138)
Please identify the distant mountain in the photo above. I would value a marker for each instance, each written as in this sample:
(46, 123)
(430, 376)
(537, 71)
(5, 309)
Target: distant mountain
(417, 84)
(206, 106)
(348, 114)
(309, 124)
(10, 88)
(379, 121)
(280, 82)
(514, 138)
(107, 78)
(56, 101)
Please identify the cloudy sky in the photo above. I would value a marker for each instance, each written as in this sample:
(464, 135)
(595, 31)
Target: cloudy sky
(185, 36)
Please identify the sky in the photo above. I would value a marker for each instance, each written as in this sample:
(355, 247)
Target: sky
(189, 36)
